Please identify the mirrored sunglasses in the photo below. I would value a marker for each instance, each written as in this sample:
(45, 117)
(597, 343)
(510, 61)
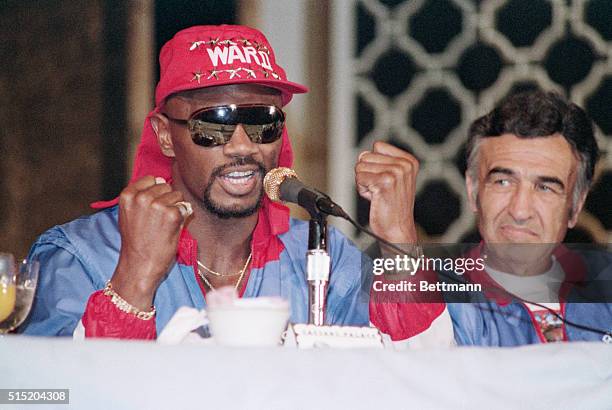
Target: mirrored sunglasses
(214, 126)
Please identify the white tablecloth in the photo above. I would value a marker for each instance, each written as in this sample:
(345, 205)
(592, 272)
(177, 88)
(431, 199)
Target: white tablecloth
(107, 374)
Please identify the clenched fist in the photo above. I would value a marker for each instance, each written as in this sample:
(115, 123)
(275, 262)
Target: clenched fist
(150, 223)
(386, 176)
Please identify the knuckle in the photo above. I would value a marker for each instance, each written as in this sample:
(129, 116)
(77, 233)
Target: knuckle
(172, 198)
(407, 166)
(125, 197)
(397, 169)
(173, 215)
(166, 213)
(157, 207)
(143, 198)
(387, 178)
(410, 165)
(162, 188)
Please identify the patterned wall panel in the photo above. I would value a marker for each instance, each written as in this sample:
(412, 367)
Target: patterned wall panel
(421, 70)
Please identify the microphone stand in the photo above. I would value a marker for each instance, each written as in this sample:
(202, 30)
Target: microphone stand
(318, 262)
(317, 267)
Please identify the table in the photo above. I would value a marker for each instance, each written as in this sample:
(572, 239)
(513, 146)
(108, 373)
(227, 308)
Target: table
(112, 374)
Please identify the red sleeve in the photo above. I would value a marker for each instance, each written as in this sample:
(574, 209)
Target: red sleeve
(103, 319)
(405, 315)
(404, 320)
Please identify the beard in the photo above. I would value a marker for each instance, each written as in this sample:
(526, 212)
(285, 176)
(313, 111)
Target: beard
(227, 212)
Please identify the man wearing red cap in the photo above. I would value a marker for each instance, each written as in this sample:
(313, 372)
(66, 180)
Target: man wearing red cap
(194, 217)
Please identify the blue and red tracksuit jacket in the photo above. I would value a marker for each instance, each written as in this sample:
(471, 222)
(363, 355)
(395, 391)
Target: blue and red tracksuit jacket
(79, 257)
(491, 318)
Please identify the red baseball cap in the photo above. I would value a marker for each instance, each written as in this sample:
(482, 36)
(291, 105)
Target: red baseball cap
(206, 56)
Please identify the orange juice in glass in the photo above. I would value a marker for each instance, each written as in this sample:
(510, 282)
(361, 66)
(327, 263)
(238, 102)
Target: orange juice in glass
(7, 285)
(7, 300)
(17, 287)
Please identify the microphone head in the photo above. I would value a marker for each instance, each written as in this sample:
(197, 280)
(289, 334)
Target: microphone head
(273, 180)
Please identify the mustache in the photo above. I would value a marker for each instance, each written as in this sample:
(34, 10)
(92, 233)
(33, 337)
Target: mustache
(239, 162)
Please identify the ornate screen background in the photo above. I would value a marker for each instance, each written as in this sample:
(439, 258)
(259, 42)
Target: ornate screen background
(417, 72)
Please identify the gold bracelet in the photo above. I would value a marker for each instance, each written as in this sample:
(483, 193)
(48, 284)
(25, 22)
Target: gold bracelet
(124, 306)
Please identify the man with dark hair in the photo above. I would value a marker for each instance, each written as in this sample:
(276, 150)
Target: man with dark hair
(533, 115)
(194, 217)
(530, 164)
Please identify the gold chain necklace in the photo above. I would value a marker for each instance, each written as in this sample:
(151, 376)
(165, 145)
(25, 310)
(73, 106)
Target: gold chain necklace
(242, 272)
(219, 274)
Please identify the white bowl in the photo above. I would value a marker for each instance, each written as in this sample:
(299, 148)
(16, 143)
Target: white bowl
(249, 322)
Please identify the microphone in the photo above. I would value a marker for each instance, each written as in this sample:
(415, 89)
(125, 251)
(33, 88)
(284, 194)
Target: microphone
(282, 184)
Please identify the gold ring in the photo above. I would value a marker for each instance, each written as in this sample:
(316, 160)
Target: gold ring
(185, 208)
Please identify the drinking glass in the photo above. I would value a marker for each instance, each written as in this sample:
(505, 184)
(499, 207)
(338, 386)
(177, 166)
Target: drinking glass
(17, 288)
